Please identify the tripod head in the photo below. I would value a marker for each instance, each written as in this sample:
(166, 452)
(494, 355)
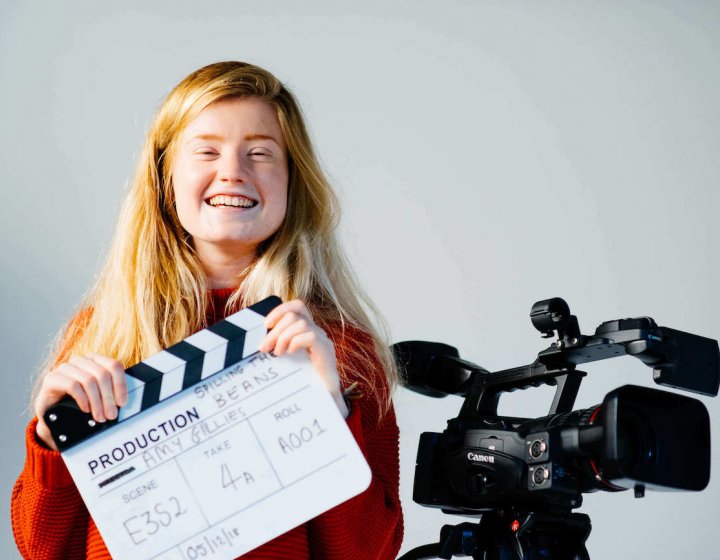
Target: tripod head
(512, 535)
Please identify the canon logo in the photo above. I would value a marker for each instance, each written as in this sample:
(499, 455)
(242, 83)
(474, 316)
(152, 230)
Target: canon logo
(480, 458)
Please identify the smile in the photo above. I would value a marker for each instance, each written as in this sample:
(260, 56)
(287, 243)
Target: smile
(232, 201)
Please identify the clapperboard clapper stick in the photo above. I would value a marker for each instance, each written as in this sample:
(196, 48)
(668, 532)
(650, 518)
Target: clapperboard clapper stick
(215, 440)
(164, 374)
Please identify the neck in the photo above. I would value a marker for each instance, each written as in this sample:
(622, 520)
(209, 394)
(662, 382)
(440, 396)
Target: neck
(224, 265)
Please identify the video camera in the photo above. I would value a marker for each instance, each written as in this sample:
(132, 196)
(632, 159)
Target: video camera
(524, 476)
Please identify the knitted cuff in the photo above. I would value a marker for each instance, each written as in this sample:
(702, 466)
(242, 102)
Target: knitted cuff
(44, 465)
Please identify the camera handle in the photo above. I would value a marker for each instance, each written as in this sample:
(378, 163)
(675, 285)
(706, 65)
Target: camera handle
(511, 535)
(484, 393)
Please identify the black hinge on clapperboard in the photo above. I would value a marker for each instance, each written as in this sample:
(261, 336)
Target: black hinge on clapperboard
(69, 425)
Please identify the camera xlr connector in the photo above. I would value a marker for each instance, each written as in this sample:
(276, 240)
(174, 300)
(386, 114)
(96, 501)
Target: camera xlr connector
(540, 475)
(537, 448)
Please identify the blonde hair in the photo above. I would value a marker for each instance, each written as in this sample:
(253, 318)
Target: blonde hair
(152, 290)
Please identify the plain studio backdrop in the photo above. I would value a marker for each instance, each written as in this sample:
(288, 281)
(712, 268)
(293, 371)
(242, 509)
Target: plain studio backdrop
(487, 154)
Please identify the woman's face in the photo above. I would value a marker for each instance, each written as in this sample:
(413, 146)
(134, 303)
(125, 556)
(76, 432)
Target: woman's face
(230, 176)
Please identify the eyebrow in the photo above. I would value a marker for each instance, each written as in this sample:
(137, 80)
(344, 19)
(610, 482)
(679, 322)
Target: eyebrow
(261, 137)
(248, 137)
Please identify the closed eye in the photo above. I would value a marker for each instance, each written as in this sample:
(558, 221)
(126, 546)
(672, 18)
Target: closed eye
(208, 152)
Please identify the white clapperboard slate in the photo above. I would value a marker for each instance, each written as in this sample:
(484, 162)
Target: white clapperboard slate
(219, 449)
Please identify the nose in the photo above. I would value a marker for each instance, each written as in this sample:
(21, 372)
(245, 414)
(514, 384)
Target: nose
(233, 170)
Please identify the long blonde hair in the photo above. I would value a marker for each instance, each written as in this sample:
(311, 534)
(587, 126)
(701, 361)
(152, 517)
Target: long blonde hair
(152, 290)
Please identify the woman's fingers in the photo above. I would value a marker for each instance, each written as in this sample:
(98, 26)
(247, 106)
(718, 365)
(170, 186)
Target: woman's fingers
(89, 384)
(117, 374)
(290, 321)
(104, 380)
(305, 339)
(279, 323)
(294, 306)
(292, 328)
(280, 338)
(97, 383)
(288, 326)
(54, 387)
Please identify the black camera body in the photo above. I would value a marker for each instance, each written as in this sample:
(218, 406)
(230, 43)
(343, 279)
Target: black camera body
(547, 463)
(637, 438)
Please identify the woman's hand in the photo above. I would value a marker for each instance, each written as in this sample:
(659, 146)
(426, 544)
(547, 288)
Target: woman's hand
(97, 383)
(291, 329)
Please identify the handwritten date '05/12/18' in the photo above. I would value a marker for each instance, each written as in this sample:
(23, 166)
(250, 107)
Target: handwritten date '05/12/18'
(209, 544)
(143, 526)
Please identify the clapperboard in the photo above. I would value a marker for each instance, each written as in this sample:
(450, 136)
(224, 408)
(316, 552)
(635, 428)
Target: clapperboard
(219, 449)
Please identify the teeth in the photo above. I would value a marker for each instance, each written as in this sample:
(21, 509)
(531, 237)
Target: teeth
(237, 201)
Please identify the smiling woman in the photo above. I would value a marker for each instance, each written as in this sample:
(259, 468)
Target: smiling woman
(229, 176)
(228, 206)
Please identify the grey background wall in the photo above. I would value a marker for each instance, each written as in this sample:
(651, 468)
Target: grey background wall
(488, 154)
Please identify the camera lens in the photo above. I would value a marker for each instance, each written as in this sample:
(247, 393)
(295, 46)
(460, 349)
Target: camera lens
(636, 443)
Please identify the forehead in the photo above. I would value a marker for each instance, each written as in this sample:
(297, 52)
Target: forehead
(236, 117)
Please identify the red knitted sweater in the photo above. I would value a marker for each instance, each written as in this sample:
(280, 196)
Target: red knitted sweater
(50, 520)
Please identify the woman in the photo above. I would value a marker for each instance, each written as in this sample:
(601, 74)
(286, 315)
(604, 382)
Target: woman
(227, 207)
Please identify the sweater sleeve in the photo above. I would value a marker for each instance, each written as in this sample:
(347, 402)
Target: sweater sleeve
(49, 518)
(370, 525)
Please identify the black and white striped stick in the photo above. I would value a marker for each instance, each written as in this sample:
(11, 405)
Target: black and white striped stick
(162, 375)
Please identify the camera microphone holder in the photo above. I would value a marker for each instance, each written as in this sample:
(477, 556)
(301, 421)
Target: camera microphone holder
(512, 535)
(666, 350)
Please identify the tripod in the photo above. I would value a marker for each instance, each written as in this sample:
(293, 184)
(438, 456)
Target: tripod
(512, 535)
